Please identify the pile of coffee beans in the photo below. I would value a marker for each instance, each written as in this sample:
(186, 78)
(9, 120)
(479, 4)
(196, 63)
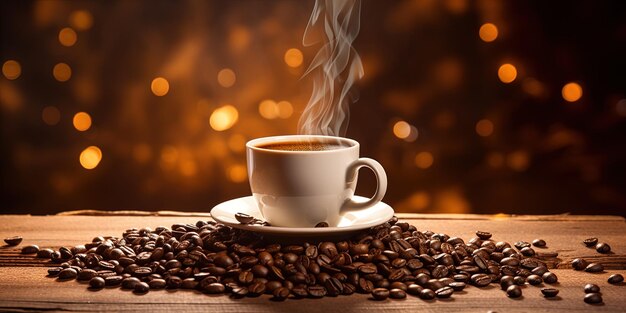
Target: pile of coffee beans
(387, 261)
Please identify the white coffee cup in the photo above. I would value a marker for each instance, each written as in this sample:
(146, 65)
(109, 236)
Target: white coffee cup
(303, 188)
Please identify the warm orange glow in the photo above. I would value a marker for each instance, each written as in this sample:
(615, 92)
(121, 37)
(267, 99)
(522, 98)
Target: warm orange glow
(90, 157)
(82, 121)
(11, 69)
(419, 200)
(160, 86)
(507, 73)
(224, 117)
(488, 32)
(62, 72)
(424, 160)
(285, 109)
(226, 78)
(51, 115)
(518, 160)
(169, 154)
(81, 20)
(268, 109)
(67, 37)
(237, 143)
(533, 87)
(237, 173)
(188, 168)
(484, 128)
(495, 159)
(142, 153)
(402, 129)
(294, 57)
(572, 92)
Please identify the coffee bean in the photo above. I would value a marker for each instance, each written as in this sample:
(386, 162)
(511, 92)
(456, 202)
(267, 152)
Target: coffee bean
(457, 285)
(53, 272)
(427, 294)
(397, 293)
(594, 268)
(333, 286)
(549, 292)
(157, 283)
(603, 247)
(244, 218)
(96, 283)
(113, 280)
(221, 261)
(30, 249)
(539, 270)
(328, 248)
(256, 289)
(483, 235)
(514, 291)
(280, 294)
(214, 288)
(239, 292)
(45, 253)
(591, 288)
(579, 264)
(444, 292)
(528, 251)
(13, 241)
(519, 280)
(141, 288)
(593, 298)
(534, 279)
(480, 280)
(321, 224)
(590, 242)
(616, 279)
(86, 274)
(189, 283)
(539, 243)
(380, 294)
(68, 273)
(245, 277)
(549, 278)
(414, 289)
(317, 291)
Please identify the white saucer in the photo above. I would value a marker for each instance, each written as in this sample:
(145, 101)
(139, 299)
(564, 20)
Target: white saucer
(350, 222)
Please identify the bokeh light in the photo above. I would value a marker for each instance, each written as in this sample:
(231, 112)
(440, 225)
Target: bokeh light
(226, 78)
(507, 73)
(285, 109)
(224, 117)
(142, 153)
(188, 168)
(268, 109)
(572, 92)
(11, 69)
(238, 173)
(484, 128)
(81, 121)
(67, 37)
(424, 160)
(488, 32)
(62, 72)
(90, 157)
(294, 57)
(51, 115)
(81, 19)
(495, 160)
(620, 107)
(402, 129)
(160, 86)
(237, 143)
(518, 160)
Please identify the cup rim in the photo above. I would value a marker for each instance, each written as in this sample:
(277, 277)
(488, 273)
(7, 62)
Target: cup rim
(253, 144)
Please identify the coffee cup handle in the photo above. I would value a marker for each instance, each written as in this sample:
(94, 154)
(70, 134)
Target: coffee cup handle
(381, 186)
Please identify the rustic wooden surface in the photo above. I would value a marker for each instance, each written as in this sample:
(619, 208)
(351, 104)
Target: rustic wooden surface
(24, 287)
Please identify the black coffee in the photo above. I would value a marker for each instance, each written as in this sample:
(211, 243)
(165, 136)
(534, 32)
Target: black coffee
(302, 146)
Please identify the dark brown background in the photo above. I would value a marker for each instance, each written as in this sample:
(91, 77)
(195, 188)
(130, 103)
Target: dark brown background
(424, 63)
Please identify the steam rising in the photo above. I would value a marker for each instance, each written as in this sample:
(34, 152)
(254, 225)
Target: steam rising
(335, 68)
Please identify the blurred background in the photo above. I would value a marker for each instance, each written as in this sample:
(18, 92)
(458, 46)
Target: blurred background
(471, 106)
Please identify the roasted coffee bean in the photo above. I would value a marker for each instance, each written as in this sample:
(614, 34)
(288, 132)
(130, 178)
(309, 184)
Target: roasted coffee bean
(457, 285)
(245, 277)
(86, 274)
(30, 249)
(506, 281)
(594, 268)
(321, 224)
(534, 279)
(141, 288)
(519, 280)
(256, 289)
(13, 241)
(483, 235)
(96, 283)
(244, 218)
(53, 272)
(174, 282)
(316, 291)
(549, 292)
(157, 283)
(280, 294)
(427, 294)
(444, 292)
(528, 251)
(397, 293)
(68, 273)
(328, 248)
(222, 260)
(380, 294)
(514, 291)
(579, 264)
(549, 278)
(603, 247)
(591, 288)
(616, 279)
(480, 280)
(130, 282)
(113, 280)
(333, 286)
(539, 243)
(214, 288)
(593, 298)
(590, 242)
(189, 283)
(414, 289)
(239, 292)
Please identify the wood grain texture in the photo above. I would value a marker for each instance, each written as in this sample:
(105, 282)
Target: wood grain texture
(24, 287)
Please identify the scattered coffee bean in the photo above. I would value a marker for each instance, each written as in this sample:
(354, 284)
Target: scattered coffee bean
(593, 298)
(130, 282)
(321, 224)
(215, 288)
(68, 273)
(244, 218)
(427, 294)
(594, 268)
(534, 279)
(281, 293)
(549, 292)
(414, 289)
(45, 253)
(157, 283)
(519, 280)
(397, 293)
(590, 242)
(54, 271)
(592, 288)
(317, 291)
(444, 292)
(579, 264)
(480, 280)
(549, 278)
(514, 291)
(527, 251)
(13, 241)
(30, 249)
(457, 285)
(96, 283)
(616, 279)
(539, 243)
(483, 235)
(141, 288)
(603, 247)
(380, 294)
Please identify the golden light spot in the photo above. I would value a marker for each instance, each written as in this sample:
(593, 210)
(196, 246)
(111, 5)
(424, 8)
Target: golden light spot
(424, 160)
(412, 134)
(239, 38)
(142, 153)
(226, 78)
(224, 117)
(169, 154)
(285, 109)
(90, 157)
(67, 37)
(401, 129)
(188, 168)
(268, 109)
(294, 57)
(81, 19)
(237, 143)
(62, 72)
(81, 121)
(484, 128)
(456, 6)
(572, 92)
(51, 115)
(518, 160)
(419, 200)
(237, 173)
(488, 32)
(160, 86)
(533, 87)
(495, 159)
(11, 69)
(507, 73)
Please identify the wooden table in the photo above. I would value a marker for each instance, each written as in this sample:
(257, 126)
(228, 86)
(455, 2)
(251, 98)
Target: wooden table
(24, 287)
